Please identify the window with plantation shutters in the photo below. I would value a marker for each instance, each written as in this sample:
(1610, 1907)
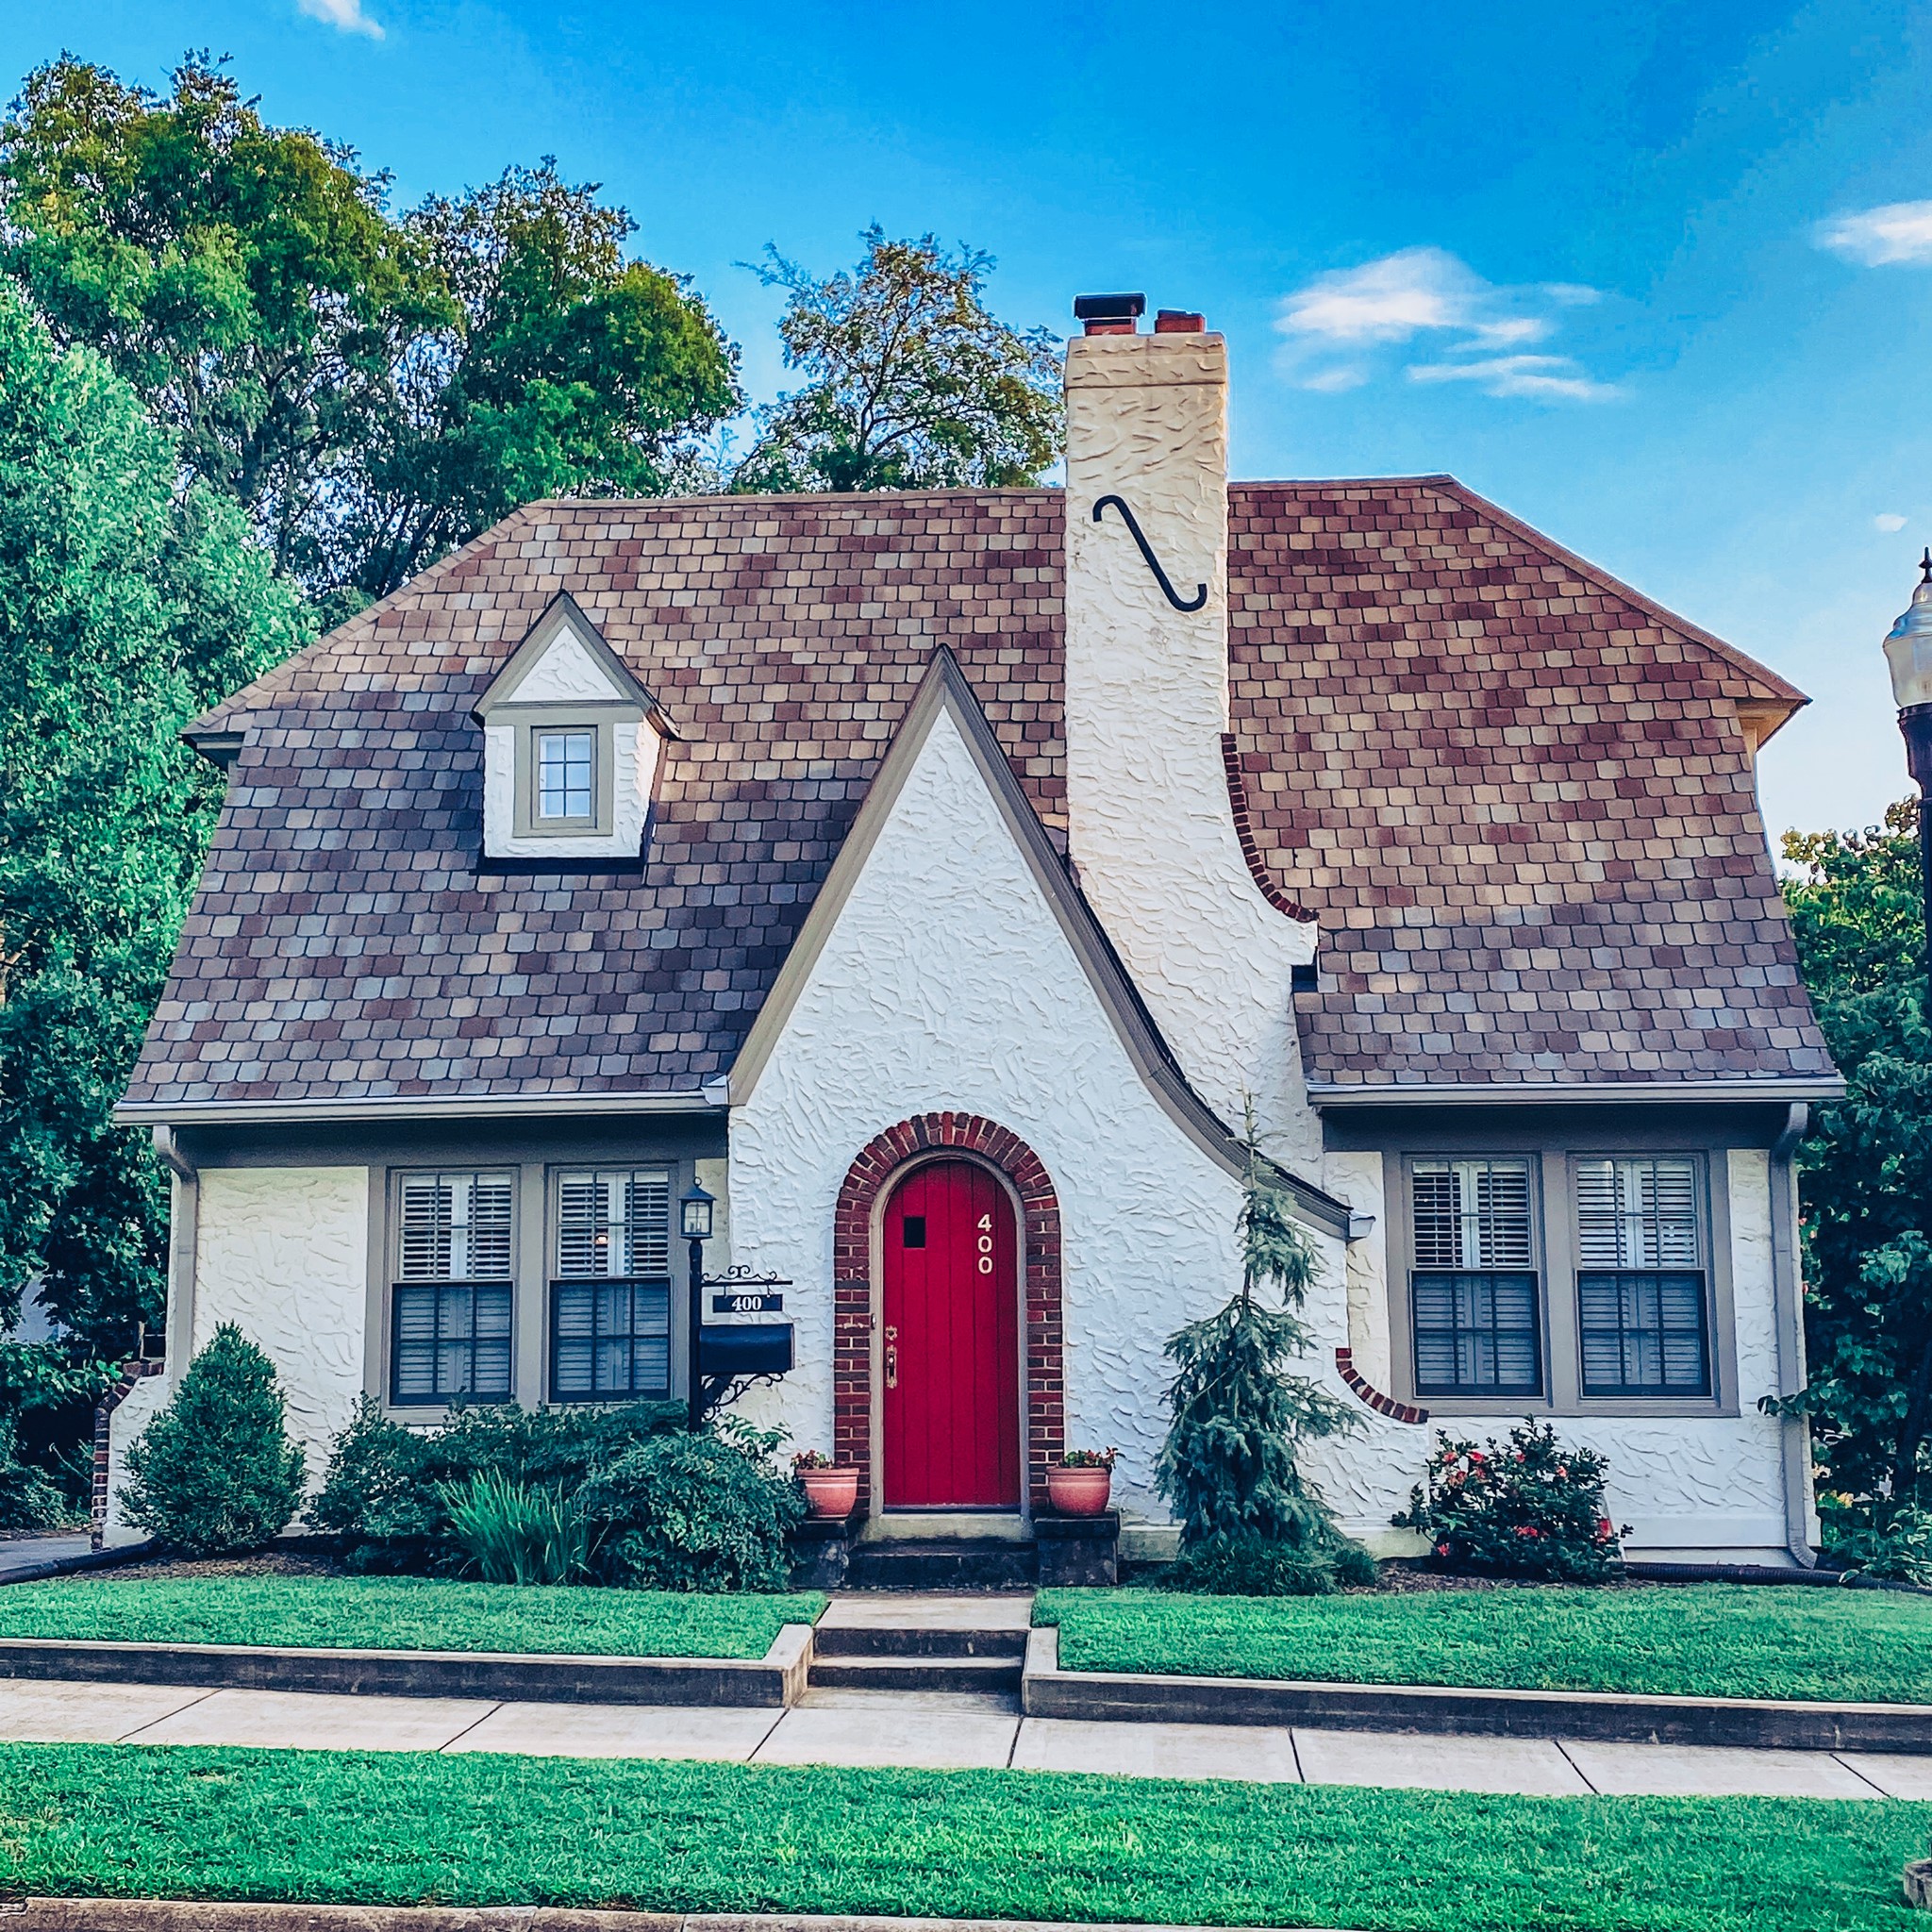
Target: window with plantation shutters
(1640, 1276)
(610, 1294)
(450, 1305)
(1475, 1312)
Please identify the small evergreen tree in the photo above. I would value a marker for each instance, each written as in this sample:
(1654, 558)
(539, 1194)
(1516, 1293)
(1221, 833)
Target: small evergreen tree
(1251, 1522)
(215, 1474)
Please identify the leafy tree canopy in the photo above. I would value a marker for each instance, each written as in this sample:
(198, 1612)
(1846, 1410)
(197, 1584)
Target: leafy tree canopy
(1866, 1171)
(911, 383)
(371, 390)
(126, 607)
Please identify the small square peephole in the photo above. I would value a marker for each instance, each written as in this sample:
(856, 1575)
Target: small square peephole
(912, 1231)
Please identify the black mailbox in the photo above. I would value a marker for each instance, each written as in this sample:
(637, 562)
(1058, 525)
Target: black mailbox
(747, 1348)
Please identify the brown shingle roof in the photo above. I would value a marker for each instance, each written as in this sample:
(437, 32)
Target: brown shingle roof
(1514, 792)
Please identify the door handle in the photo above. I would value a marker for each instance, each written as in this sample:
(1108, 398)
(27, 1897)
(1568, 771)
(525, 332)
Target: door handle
(891, 1359)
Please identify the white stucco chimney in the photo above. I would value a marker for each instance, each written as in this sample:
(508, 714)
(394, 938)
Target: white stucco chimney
(1150, 822)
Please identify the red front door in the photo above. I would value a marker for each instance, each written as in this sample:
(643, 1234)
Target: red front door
(952, 1350)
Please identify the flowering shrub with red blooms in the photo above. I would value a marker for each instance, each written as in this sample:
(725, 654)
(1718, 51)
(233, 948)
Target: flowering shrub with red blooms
(1531, 1507)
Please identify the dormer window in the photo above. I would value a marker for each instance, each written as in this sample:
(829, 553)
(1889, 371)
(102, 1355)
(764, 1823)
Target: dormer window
(571, 741)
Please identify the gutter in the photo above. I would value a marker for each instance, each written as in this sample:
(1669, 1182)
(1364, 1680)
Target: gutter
(1787, 1314)
(1326, 1094)
(162, 1114)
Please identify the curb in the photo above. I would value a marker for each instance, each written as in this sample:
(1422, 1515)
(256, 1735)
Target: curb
(1596, 1716)
(776, 1680)
(195, 1915)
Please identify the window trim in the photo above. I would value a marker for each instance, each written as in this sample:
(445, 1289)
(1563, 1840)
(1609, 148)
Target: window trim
(555, 1280)
(537, 721)
(566, 820)
(1704, 1204)
(396, 1283)
(1404, 1301)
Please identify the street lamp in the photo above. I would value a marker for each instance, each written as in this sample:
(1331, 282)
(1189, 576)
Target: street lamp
(696, 1221)
(1908, 653)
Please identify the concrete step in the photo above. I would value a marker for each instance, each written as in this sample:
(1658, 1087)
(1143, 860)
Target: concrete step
(843, 1641)
(952, 1564)
(952, 1674)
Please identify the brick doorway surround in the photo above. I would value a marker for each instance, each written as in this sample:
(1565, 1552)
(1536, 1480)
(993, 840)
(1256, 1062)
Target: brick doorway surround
(867, 1182)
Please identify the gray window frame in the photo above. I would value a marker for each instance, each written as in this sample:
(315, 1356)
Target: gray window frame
(535, 721)
(556, 1282)
(438, 1398)
(1556, 1146)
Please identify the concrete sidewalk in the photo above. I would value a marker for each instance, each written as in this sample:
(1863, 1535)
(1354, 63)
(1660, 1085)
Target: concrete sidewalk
(935, 1731)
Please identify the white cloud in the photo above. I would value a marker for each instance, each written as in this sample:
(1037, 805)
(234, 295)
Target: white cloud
(1888, 522)
(1878, 237)
(345, 14)
(1545, 378)
(1329, 325)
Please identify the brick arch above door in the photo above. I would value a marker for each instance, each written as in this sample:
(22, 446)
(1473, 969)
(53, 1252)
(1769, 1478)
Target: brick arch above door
(855, 1290)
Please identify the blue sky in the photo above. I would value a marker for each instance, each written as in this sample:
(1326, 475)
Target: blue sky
(1617, 268)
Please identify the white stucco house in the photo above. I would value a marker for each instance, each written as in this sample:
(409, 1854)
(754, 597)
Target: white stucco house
(936, 878)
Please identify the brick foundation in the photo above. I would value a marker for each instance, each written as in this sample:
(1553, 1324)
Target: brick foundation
(868, 1179)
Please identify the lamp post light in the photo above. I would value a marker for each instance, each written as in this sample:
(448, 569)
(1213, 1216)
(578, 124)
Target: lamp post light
(697, 1224)
(1909, 655)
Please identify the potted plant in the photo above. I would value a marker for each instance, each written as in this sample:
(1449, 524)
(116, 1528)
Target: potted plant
(1078, 1483)
(828, 1489)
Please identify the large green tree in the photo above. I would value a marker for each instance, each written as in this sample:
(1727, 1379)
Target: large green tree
(127, 605)
(1866, 1171)
(371, 390)
(911, 382)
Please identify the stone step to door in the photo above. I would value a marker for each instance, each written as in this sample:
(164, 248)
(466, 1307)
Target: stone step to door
(914, 1673)
(950, 1565)
(846, 1641)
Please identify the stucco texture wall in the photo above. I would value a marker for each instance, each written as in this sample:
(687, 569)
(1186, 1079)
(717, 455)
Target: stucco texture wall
(947, 983)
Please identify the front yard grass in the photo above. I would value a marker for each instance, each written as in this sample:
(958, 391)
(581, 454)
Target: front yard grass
(382, 1828)
(1711, 1640)
(401, 1613)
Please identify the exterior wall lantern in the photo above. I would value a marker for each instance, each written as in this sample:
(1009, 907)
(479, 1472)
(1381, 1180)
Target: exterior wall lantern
(1909, 656)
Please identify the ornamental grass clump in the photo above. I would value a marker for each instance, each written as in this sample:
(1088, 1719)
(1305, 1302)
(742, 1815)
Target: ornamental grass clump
(1531, 1507)
(515, 1532)
(214, 1474)
(1252, 1523)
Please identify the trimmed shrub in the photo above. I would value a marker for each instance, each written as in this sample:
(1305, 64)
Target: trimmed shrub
(683, 1511)
(1532, 1508)
(28, 1499)
(1889, 1542)
(388, 1489)
(215, 1474)
(516, 1532)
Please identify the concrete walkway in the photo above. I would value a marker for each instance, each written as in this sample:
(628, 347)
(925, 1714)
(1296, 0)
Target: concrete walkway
(934, 1731)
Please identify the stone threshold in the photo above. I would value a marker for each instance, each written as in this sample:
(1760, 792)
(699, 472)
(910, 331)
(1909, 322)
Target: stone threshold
(776, 1680)
(1596, 1716)
(202, 1915)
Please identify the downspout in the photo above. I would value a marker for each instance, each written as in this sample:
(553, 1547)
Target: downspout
(1787, 1304)
(183, 1207)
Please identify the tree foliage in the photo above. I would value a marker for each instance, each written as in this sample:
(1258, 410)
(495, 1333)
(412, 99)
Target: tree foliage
(215, 1474)
(125, 609)
(1250, 1521)
(371, 390)
(1866, 1171)
(912, 384)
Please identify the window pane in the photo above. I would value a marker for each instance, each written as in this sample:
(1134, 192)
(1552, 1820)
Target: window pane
(1471, 1213)
(563, 774)
(1637, 1213)
(614, 1225)
(1477, 1334)
(454, 1226)
(1642, 1333)
(451, 1311)
(609, 1341)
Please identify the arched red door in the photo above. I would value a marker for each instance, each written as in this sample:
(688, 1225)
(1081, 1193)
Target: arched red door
(951, 1341)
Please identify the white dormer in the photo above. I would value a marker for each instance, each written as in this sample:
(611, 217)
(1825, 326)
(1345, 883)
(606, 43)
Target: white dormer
(571, 741)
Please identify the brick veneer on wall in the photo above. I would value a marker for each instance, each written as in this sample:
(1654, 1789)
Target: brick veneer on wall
(118, 1393)
(881, 1163)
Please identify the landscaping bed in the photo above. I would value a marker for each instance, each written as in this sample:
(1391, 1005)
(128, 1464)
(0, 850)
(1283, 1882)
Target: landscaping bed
(384, 1828)
(1677, 1640)
(400, 1613)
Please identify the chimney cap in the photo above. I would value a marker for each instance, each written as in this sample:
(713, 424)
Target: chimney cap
(1108, 308)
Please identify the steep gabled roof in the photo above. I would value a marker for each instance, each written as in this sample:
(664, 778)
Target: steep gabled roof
(1517, 796)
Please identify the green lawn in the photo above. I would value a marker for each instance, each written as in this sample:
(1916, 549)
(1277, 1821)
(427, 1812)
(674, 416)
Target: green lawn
(1711, 1640)
(402, 1828)
(401, 1613)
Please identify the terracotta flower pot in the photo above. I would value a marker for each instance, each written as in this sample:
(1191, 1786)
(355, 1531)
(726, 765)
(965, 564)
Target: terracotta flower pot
(1078, 1491)
(829, 1491)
